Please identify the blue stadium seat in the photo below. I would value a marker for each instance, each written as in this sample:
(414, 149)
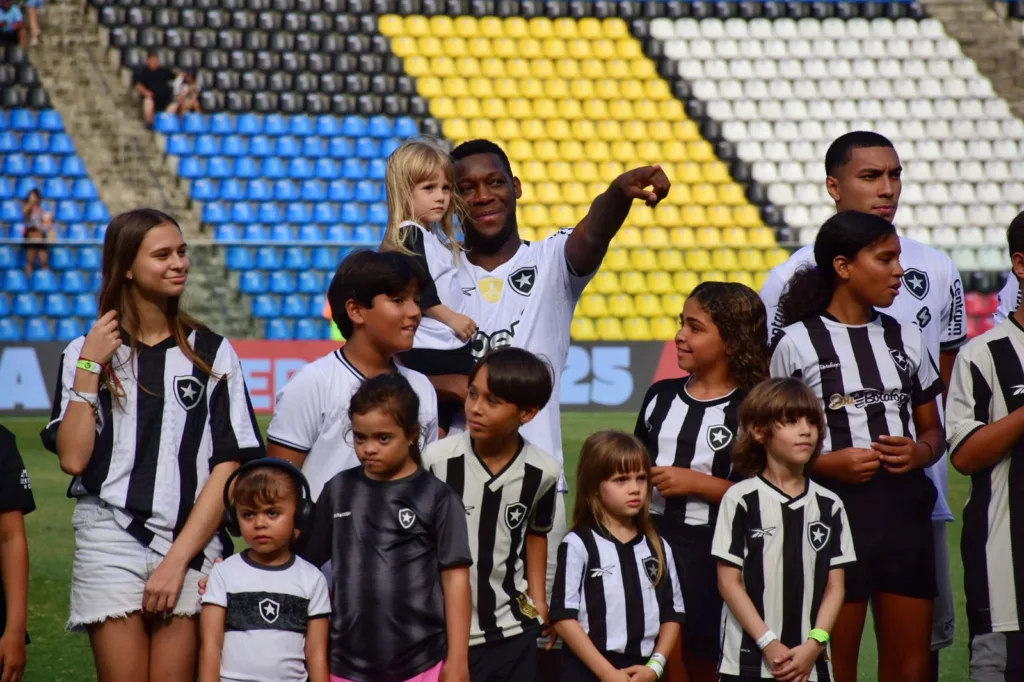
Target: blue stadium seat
(353, 214)
(278, 330)
(5, 120)
(78, 232)
(72, 167)
(94, 281)
(194, 124)
(338, 233)
(220, 167)
(6, 189)
(268, 258)
(249, 124)
(314, 147)
(353, 169)
(368, 191)
(253, 282)
(301, 125)
(294, 305)
(96, 212)
(286, 190)
(215, 213)
(288, 147)
(282, 283)
(83, 190)
(5, 306)
(239, 258)
(9, 330)
(310, 233)
(61, 258)
(296, 258)
(207, 145)
(380, 126)
(365, 234)
(9, 142)
(389, 145)
(300, 168)
(180, 145)
(282, 233)
(23, 119)
(242, 212)
(24, 186)
(8, 258)
(234, 145)
(50, 121)
(275, 124)
(273, 168)
(203, 189)
(10, 211)
(227, 232)
(61, 144)
(44, 282)
(69, 329)
(405, 127)
(84, 305)
(341, 147)
(68, 212)
(191, 168)
(255, 233)
(340, 190)
(377, 214)
(55, 305)
(270, 213)
(367, 148)
(325, 214)
(74, 282)
(266, 306)
(56, 189)
(310, 283)
(38, 331)
(222, 124)
(328, 126)
(99, 231)
(259, 190)
(233, 189)
(16, 165)
(313, 190)
(308, 330)
(33, 143)
(166, 123)
(245, 167)
(45, 165)
(90, 258)
(353, 126)
(25, 305)
(327, 169)
(316, 304)
(376, 168)
(261, 146)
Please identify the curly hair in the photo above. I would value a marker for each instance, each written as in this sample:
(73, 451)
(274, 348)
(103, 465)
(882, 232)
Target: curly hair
(742, 323)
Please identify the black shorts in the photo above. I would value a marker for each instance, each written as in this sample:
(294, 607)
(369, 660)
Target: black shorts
(891, 524)
(698, 576)
(436, 362)
(508, 660)
(575, 670)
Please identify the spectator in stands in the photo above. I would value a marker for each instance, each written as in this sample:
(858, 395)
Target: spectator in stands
(12, 24)
(186, 93)
(32, 12)
(38, 231)
(153, 82)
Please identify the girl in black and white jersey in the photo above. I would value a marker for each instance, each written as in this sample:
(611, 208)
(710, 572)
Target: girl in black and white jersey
(878, 385)
(151, 416)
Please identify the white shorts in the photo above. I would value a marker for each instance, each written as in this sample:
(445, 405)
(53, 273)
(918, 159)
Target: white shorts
(555, 537)
(944, 617)
(111, 569)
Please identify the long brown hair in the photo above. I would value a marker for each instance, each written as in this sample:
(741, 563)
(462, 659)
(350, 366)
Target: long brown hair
(606, 454)
(774, 401)
(120, 248)
(742, 322)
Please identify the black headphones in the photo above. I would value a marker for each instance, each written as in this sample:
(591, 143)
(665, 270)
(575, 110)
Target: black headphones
(303, 509)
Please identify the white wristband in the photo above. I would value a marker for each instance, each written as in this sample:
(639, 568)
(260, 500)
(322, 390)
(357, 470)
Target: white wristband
(766, 639)
(83, 397)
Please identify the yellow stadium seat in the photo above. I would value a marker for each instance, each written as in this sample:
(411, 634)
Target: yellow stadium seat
(708, 237)
(609, 170)
(508, 128)
(614, 28)
(604, 49)
(581, 89)
(549, 193)
(671, 260)
(662, 328)
(617, 260)
(701, 150)
(442, 107)
(468, 107)
(742, 277)
(716, 172)
(713, 276)
(582, 210)
(623, 149)
(417, 66)
(610, 329)
(442, 25)
(541, 27)
(563, 216)
(542, 68)
(482, 88)
(628, 48)
(429, 46)
(533, 171)
(688, 172)
(633, 283)
(746, 215)
(569, 109)
(637, 329)
(521, 150)
(533, 129)
(685, 281)
(528, 234)
(659, 282)
(516, 27)
(580, 49)
(734, 236)
(644, 260)
(642, 218)
(759, 280)
(520, 108)
(493, 68)
(751, 260)
(480, 48)
(661, 131)
(582, 329)
(536, 215)
(668, 215)
(492, 27)
(455, 87)
(545, 109)
(456, 129)
(527, 193)
(705, 194)
(545, 232)
(589, 28)
(467, 27)
(627, 236)
(404, 46)
(564, 28)
(483, 128)
(597, 110)
(775, 257)
(693, 215)
(682, 237)
(555, 48)
(470, 68)
(391, 25)
(648, 149)
(607, 89)
(654, 237)
(570, 150)
(621, 305)
(657, 89)
(430, 87)
(724, 259)
(644, 69)
(672, 304)
(594, 305)
(529, 48)
(685, 129)
(505, 48)
(582, 130)
(518, 68)
(633, 129)
(593, 69)
(632, 89)
(443, 66)
(609, 130)
(574, 193)
(719, 216)
(545, 150)
(417, 26)
(455, 46)
(567, 69)
(731, 194)
(698, 260)
(761, 236)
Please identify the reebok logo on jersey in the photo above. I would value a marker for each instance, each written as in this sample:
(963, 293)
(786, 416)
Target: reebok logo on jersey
(818, 534)
(719, 437)
(651, 566)
(601, 571)
(865, 397)
(916, 283)
(189, 391)
(1018, 389)
(523, 279)
(514, 515)
(469, 508)
(900, 359)
(756, 533)
(269, 610)
(406, 517)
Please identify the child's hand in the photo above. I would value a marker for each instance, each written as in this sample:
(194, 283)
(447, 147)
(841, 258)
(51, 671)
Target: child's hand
(776, 654)
(853, 465)
(463, 326)
(672, 481)
(205, 579)
(12, 656)
(900, 454)
(547, 630)
(641, 673)
(797, 664)
(455, 672)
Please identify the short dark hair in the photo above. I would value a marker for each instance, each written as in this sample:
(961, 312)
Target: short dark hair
(474, 147)
(393, 394)
(152, 52)
(516, 376)
(840, 151)
(264, 485)
(1015, 234)
(771, 402)
(366, 274)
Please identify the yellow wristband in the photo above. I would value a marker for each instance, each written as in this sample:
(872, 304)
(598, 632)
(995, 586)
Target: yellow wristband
(89, 366)
(819, 635)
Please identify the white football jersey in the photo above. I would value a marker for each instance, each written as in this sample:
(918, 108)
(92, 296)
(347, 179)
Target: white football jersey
(1009, 299)
(932, 297)
(528, 302)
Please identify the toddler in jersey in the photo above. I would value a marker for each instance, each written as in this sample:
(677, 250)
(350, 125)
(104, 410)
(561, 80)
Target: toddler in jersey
(399, 550)
(265, 610)
(419, 180)
(781, 541)
(689, 426)
(616, 600)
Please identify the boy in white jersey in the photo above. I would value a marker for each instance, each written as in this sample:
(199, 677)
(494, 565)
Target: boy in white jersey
(373, 300)
(507, 486)
(864, 174)
(265, 610)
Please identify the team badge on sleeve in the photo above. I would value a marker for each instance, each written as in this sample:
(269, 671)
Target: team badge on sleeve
(900, 359)
(406, 517)
(514, 515)
(818, 534)
(916, 283)
(719, 437)
(651, 566)
(523, 279)
(189, 391)
(269, 610)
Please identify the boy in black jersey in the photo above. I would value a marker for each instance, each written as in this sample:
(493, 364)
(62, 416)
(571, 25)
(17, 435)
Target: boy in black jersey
(15, 501)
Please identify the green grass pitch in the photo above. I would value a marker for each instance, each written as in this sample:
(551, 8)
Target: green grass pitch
(55, 655)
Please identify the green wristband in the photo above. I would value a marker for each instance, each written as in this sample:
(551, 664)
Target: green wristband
(819, 635)
(89, 366)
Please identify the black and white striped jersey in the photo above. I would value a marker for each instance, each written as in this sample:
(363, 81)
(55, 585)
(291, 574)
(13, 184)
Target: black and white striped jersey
(500, 510)
(785, 547)
(1009, 299)
(608, 586)
(682, 431)
(987, 385)
(869, 377)
(155, 448)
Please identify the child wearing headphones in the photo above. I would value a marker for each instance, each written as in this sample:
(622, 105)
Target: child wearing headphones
(265, 610)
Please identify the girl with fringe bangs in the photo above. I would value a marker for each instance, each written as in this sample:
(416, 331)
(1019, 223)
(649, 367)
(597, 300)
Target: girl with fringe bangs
(151, 416)
(616, 599)
(689, 426)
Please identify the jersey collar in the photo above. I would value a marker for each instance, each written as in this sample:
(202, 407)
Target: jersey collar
(486, 469)
(340, 355)
(685, 396)
(785, 496)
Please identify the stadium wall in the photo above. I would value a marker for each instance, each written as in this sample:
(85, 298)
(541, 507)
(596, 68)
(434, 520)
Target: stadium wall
(597, 376)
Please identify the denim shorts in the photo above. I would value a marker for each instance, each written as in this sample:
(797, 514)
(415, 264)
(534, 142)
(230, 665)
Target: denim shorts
(111, 569)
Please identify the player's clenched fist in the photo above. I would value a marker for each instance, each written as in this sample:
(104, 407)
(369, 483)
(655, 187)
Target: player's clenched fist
(103, 339)
(648, 183)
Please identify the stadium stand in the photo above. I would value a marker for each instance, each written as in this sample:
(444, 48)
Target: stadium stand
(36, 153)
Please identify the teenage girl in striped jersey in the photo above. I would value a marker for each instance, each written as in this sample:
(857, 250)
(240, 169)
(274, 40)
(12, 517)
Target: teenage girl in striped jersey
(878, 385)
(616, 600)
(151, 416)
(689, 426)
